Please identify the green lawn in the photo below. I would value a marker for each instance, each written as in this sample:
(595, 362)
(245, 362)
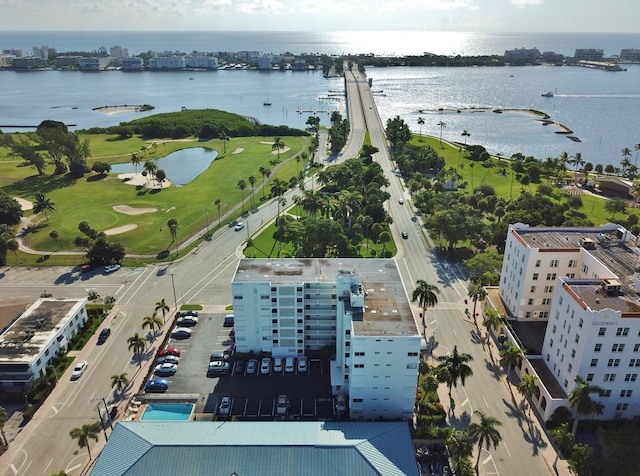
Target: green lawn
(91, 198)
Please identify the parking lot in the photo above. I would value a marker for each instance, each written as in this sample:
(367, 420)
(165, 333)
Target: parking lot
(253, 396)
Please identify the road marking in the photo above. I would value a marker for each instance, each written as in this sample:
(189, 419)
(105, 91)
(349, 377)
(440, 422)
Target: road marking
(487, 459)
(505, 447)
(454, 332)
(485, 401)
(55, 410)
(465, 402)
(72, 468)
(47, 468)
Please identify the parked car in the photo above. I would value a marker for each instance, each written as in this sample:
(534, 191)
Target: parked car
(170, 351)
(156, 386)
(278, 364)
(239, 226)
(289, 364)
(104, 335)
(165, 369)
(87, 268)
(283, 405)
(228, 320)
(239, 368)
(302, 364)
(341, 403)
(79, 369)
(225, 406)
(228, 353)
(252, 365)
(265, 365)
(110, 268)
(219, 355)
(187, 321)
(218, 367)
(401, 201)
(189, 313)
(168, 359)
(181, 333)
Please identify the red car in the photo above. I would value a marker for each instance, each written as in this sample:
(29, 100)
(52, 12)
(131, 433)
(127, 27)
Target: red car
(170, 351)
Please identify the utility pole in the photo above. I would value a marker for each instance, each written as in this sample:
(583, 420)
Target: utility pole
(106, 409)
(173, 284)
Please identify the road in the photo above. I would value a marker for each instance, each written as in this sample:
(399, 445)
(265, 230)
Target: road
(204, 275)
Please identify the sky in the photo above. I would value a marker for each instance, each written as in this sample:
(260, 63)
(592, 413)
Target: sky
(323, 15)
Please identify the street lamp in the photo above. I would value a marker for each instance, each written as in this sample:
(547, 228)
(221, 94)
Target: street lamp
(106, 409)
(102, 422)
(206, 212)
(173, 284)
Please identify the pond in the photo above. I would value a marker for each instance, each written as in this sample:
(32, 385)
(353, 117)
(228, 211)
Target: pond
(181, 166)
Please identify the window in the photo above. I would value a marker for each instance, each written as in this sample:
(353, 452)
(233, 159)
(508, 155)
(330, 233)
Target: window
(412, 366)
(580, 323)
(535, 276)
(625, 393)
(589, 377)
(546, 301)
(544, 314)
(533, 289)
(602, 331)
(358, 366)
(554, 329)
(530, 302)
(622, 331)
(357, 400)
(636, 348)
(527, 314)
(573, 263)
(569, 367)
(597, 348)
(560, 300)
(594, 362)
(577, 338)
(550, 342)
(571, 275)
(538, 263)
(412, 354)
(609, 377)
(551, 276)
(617, 347)
(548, 289)
(630, 377)
(566, 383)
(359, 354)
(634, 363)
(622, 406)
(605, 393)
(613, 362)
(554, 263)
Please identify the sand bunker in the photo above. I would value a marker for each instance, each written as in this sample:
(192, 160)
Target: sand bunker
(284, 149)
(126, 209)
(142, 181)
(238, 150)
(24, 204)
(120, 229)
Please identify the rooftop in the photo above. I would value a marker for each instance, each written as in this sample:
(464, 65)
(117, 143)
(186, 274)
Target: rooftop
(387, 310)
(590, 292)
(265, 448)
(35, 329)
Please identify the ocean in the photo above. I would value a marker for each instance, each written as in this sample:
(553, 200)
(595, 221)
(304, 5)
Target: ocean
(599, 107)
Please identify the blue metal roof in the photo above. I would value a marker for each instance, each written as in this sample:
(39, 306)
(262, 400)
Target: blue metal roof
(265, 448)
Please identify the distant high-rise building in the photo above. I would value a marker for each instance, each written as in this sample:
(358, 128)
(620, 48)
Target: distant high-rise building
(589, 54)
(119, 52)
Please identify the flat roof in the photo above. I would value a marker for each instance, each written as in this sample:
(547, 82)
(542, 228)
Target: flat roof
(29, 335)
(387, 310)
(592, 294)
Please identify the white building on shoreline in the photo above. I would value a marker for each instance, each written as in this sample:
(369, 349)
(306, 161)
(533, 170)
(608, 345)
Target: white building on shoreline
(288, 307)
(583, 282)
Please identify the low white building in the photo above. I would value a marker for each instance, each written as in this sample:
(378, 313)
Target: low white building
(30, 343)
(132, 64)
(292, 306)
(167, 62)
(584, 283)
(95, 63)
(201, 61)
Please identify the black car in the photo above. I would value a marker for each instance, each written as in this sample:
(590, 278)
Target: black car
(228, 321)
(187, 321)
(239, 367)
(104, 335)
(189, 313)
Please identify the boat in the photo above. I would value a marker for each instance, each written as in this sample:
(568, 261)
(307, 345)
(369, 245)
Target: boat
(548, 94)
(267, 102)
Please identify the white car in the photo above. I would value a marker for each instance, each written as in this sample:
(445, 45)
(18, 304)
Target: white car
(278, 364)
(165, 369)
(289, 364)
(283, 405)
(302, 364)
(181, 333)
(265, 365)
(110, 268)
(225, 406)
(78, 370)
(239, 226)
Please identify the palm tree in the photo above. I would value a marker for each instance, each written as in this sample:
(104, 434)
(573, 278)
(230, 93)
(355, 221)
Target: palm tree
(277, 145)
(242, 185)
(425, 294)
(456, 368)
(3, 419)
(252, 181)
(485, 433)
(224, 138)
(580, 400)
(172, 223)
(162, 306)
(137, 344)
(135, 160)
(12, 245)
(153, 322)
(637, 149)
(459, 444)
(528, 388)
(511, 356)
(465, 134)
(150, 167)
(441, 125)
(120, 382)
(217, 203)
(82, 434)
(43, 204)
(420, 123)
(476, 292)
(563, 440)
(492, 320)
(265, 172)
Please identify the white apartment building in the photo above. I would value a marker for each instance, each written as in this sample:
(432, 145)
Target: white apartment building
(201, 61)
(584, 282)
(36, 337)
(290, 306)
(93, 63)
(167, 62)
(118, 52)
(132, 64)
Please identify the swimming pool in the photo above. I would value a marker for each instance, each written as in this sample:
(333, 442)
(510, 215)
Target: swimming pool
(168, 411)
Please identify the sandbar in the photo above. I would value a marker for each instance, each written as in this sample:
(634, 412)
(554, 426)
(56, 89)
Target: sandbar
(121, 229)
(127, 210)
